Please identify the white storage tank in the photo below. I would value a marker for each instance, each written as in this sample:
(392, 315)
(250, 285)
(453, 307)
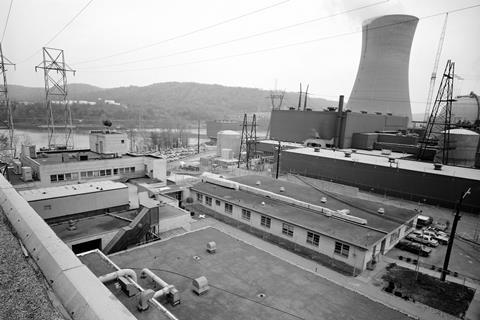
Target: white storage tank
(228, 139)
(463, 147)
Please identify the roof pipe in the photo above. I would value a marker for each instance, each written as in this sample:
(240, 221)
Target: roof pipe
(165, 286)
(120, 273)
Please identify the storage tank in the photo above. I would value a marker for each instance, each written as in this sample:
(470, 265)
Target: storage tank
(228, 139)
(382, 78)
(466, 108)
(463, 147)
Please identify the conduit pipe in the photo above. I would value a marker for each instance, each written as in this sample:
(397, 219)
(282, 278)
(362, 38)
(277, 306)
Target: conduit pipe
(120, 273)
(165, 286)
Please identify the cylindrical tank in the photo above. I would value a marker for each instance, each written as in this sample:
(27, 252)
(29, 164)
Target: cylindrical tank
(463, 147)
(466, 109)
(228, 139)
(382, 78)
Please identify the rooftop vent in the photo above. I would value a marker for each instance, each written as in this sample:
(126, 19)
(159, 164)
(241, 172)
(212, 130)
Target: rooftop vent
(316, 149)
(211, 247)
(348, 154)
(323, 200)
(200, 285)
(437, 166)
(381, 211)
(363, 112)
(71, 225)
(282, 189)
(143, 298)
(263, 203)
(378, 113)
(258, 183)
(389, 114)
(391, 159)
(354, 150)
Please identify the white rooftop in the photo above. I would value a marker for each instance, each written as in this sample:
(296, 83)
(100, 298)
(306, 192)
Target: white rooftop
(70, 190)
(383, 160)
(283, 143)
(462, 131)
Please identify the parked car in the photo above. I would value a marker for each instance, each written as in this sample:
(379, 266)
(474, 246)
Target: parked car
(423, 239)
(440, 236)
(423, 221)
(440, 226)
(415, 248)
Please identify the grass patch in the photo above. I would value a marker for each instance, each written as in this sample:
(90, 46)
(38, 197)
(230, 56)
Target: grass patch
(449, 297)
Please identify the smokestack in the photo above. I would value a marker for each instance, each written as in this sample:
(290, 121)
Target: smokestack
(338, 125)
(382, 77)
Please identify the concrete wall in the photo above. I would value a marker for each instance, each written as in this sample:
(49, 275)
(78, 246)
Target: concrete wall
(382, 78)
(356, 258)
(359, 122)
(108, 143)
(412, 185)
(156, 168)
(77, 288)
(105, 237)
(298, 126)
(58, 207)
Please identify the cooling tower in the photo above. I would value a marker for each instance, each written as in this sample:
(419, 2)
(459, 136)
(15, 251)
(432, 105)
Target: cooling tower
(382, 79)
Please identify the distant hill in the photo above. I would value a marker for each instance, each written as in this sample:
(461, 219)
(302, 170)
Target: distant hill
(180, 100)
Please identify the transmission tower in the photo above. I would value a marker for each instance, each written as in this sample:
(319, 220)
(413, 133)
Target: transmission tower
(4, 99)
(276, 98)
(55, 75)
(437, 131)
(249, 138)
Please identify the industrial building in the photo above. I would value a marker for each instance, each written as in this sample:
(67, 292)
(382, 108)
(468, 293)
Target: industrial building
(330, 128)
(106, 159)
(384, 174)
(381, 84)
(347, 233)
(239, 281)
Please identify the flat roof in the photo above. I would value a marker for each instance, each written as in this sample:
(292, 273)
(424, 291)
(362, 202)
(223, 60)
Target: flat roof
(354, 234)
(237, 274)
(100, 266)
(283, 143)
(418, 166)
(67, 156)
(389, 221)
(71, 190)
(91, 226)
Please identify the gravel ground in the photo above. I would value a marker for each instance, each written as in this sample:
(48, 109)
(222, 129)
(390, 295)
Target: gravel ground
(23, 292)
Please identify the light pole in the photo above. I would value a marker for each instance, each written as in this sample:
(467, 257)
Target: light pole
(452, 234)
(278, 148)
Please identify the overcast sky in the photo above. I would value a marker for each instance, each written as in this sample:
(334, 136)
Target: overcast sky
(96, 41)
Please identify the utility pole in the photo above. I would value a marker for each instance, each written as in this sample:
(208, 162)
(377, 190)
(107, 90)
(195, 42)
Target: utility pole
(4, 98)
(452, 234)
(198, 137)
(279, 147)
(55, 75)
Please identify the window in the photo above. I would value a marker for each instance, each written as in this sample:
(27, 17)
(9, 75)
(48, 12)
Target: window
(121, 170)
(127, 170)
(102, 173)
(208, 201)
(75, 176)
(217, 202)
(287, 229)
(115, 171)
(313, 238)
(246, 215)
(109, 172)
(228, 208)
(61, 177)
(83, 174)
(53, 178)
(265, 221)
(90, 173)
(342, 249)
(132, 169)
(122, 141)
(47, 207)
(200, 197)
(394, 236)
(68, 176)
(96, 173)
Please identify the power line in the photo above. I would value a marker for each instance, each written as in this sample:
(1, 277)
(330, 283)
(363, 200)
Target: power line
(185, 34)
(224, 290)
(250, 36)
(6, 22)
(294, 44)
(61, 30)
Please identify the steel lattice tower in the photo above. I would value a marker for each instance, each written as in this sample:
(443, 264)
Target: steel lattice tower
(55, 75)
(437, 131)
(249, 139)
(4, 98)
(276, 98)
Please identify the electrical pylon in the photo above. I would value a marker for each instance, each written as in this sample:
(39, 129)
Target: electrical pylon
(248, 144)
(276, 98)
(55, 75)
(5, 101)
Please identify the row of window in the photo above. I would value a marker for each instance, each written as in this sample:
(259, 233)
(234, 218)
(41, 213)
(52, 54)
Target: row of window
(287, 229)
(89, 174)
